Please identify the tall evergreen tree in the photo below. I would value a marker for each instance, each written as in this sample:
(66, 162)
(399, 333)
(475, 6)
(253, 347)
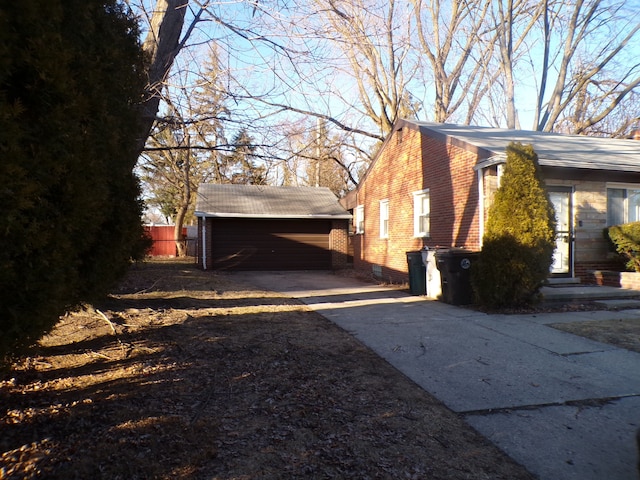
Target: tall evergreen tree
(519, 237)
(241, 162)
(71, 79)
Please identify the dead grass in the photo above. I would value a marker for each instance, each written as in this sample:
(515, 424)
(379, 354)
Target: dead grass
(186, 374)
(623, 333)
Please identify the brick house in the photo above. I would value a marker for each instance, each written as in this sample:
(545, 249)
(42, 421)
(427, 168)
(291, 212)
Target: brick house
(432, 184)
(257, 227)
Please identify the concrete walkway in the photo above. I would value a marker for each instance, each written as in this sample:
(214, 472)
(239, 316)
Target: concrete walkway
(563, 406)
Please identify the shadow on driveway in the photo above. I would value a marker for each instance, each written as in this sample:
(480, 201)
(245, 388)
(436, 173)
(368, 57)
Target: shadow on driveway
(563, 406)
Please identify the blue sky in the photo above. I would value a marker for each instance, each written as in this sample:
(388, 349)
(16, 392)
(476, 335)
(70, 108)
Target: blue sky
(309, 81)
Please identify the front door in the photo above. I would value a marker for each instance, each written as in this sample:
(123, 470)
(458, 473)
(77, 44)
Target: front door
(562, 265)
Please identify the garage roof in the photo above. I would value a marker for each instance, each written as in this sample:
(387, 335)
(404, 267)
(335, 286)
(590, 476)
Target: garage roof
(553, 149)
(259, 201)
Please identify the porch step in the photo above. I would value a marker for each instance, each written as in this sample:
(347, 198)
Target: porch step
(552, 293)
(615, 304)
(560, 281)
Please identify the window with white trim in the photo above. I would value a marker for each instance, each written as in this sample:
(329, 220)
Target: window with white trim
(359, 219)
(623, 204)
(384, 218)
(421, 213)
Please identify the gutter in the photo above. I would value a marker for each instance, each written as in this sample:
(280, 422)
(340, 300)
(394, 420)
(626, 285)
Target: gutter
(344, 216)
(489, 162)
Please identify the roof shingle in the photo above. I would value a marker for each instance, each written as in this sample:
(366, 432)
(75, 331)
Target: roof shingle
(259, 201)
(553, 149)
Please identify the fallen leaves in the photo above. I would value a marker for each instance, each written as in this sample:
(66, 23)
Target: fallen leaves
(197, 377)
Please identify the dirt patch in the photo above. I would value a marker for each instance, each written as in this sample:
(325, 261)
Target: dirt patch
(623, 333)
(186, 374)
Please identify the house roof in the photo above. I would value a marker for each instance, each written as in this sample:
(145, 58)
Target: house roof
(553, 149)
(258, 201)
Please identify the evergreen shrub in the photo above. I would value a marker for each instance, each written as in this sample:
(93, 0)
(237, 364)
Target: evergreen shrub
(71, 80)
(626, 238)
(519, 238)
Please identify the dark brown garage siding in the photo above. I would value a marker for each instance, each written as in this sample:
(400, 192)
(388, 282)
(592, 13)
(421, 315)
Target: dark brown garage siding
(254, 244)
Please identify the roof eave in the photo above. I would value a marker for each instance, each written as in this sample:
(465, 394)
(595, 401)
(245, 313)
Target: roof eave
(491, 161)
(345, 216)
(585, 166)
(554, 163)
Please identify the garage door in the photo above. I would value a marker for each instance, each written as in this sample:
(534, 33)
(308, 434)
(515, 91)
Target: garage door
(239, 244)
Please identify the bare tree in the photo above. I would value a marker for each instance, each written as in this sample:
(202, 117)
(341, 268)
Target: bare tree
(596, 37)
(594, 112)
(360, 65)
(161, 46)
(449, 35)
(374, 38)
(166, 172)
(184, 149)
(322, 155)
(341, 62)
(513, 23)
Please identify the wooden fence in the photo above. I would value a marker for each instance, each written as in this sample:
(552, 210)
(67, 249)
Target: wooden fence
(164, 245)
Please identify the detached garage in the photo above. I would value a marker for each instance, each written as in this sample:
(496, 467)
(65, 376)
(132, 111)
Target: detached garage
(254, 227)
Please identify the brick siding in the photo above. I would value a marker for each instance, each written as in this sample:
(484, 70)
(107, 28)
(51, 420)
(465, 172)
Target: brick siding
(610, 278)
(411, 162)
(339, 242)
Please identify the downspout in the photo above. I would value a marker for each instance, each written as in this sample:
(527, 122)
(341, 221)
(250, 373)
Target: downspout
(479, 172)
(204, 242)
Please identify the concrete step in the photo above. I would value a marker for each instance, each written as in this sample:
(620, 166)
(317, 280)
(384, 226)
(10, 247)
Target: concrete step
(618, 304)
(566, 292)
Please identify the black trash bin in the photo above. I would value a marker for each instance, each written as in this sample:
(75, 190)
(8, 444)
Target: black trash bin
(455, 272)
(417, 273)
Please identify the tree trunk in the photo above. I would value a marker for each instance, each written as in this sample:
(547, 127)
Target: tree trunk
(161, 47)
(506, 50)
(181, 243)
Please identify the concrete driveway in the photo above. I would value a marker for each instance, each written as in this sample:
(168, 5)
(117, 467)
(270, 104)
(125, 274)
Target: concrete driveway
(563, 406)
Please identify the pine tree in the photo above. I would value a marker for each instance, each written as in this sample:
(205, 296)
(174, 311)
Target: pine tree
(519, 237)
(241, 162)
(71, 79)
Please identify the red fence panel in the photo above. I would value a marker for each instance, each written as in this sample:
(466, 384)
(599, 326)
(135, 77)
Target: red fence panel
(163, 242)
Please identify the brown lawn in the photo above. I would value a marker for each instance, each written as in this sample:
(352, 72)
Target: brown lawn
(185, 374)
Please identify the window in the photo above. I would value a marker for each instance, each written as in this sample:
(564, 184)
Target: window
(384, 218)
(359, 219)
(421, 212)
(623, 204)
